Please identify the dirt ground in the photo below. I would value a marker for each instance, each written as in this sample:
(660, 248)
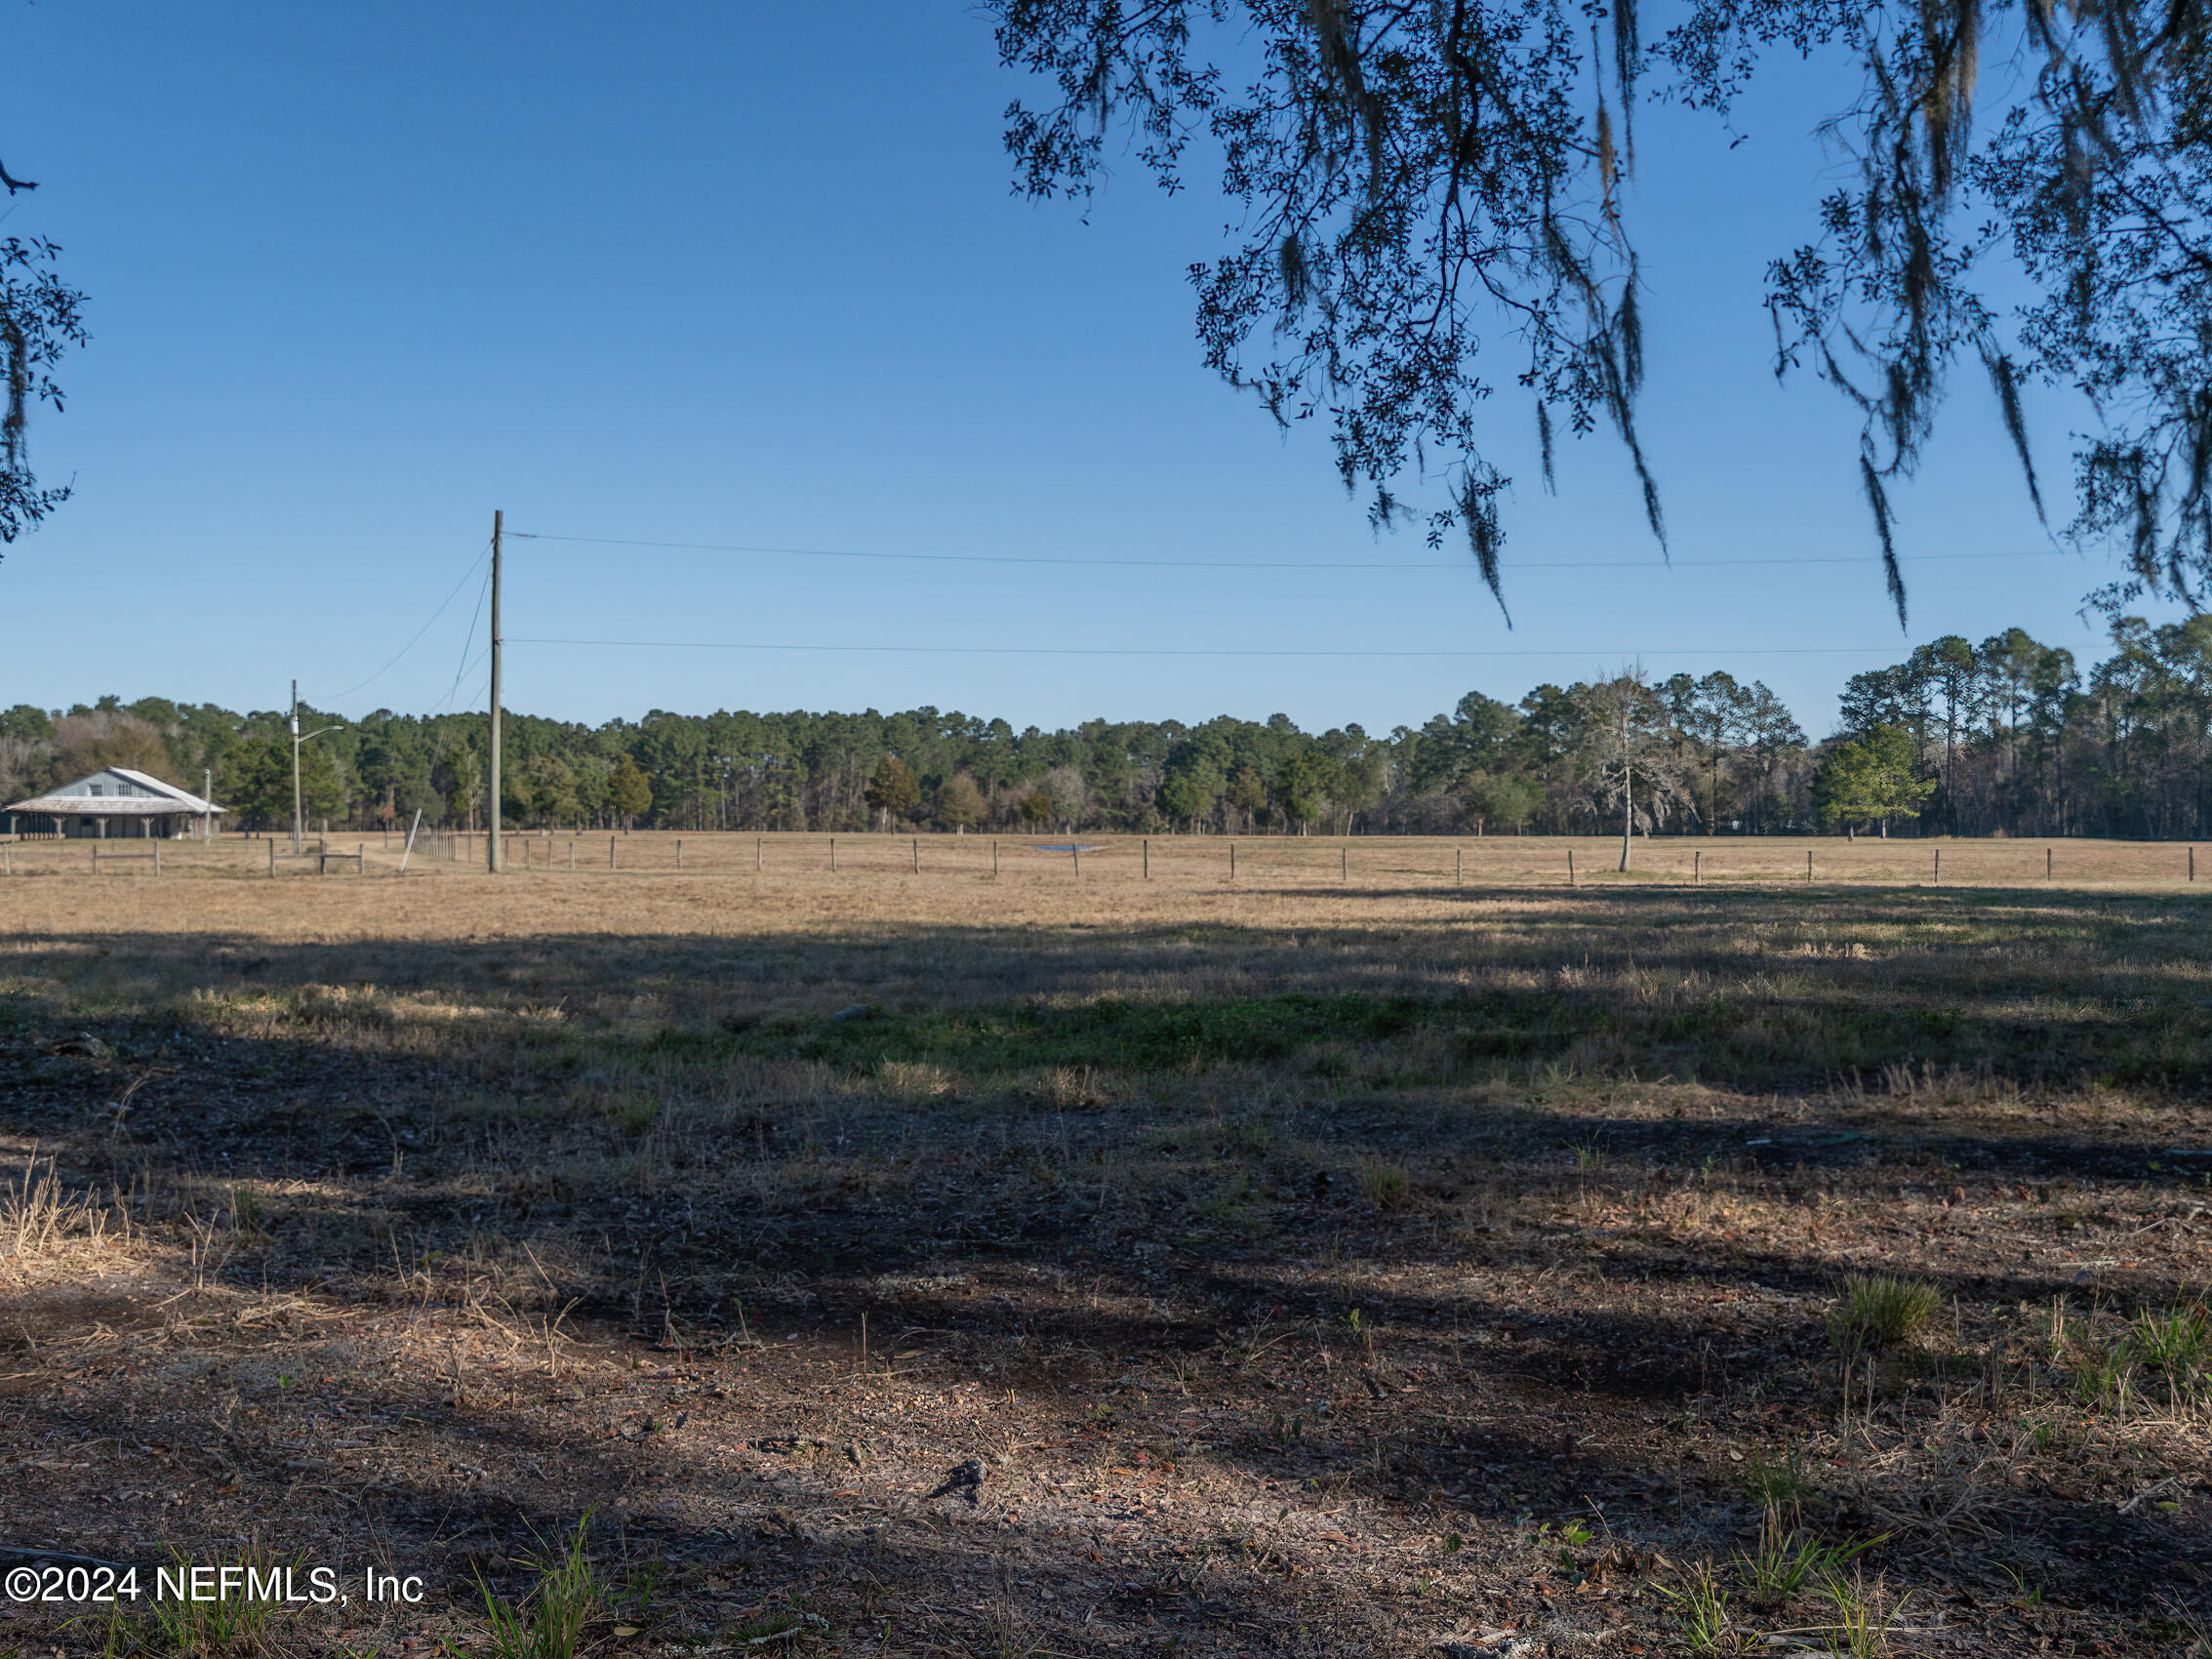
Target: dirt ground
(1355, 1258)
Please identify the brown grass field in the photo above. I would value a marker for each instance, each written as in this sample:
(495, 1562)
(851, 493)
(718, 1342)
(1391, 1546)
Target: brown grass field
(1345, 1260)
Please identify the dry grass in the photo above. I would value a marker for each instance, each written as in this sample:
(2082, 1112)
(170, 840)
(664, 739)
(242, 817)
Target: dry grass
(907, 1264)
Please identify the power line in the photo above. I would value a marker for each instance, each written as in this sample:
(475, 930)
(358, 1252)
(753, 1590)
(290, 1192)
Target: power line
(468, 639)
(1242, 564)
(339, 696)
(1197, 651)
(468, 667)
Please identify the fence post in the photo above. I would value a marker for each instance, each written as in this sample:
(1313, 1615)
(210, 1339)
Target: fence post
(1148, 858)
(610, 852)
(1696, 868)
(2046, 863)
(1939, 867)
(1570, 866)
(1233, 861)
(2192, 864)
(572, 852)
(1343, 865)
(756, 855)
(273, 855)
(360, 864)
(833, 855)
(1458, 853)
(1077, 853)
(994, 858)
(1809, 863)
(680, 852)
(917, 851)
(157, 858)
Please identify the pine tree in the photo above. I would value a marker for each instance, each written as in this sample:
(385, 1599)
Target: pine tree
(893, 790)
(629, 793)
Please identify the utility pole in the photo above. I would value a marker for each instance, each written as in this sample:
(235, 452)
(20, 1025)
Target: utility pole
(296, 817)
(207, 818)
(499, 860)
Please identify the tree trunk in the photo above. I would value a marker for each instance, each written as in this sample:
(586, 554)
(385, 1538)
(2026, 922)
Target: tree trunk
(1627, 812)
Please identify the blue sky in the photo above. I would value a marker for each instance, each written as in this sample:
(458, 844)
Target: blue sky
(739, 273)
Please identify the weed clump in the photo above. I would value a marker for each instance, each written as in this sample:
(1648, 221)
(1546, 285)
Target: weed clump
(1702, 1608)
(1880, 1311)
(549, 1622)
(2173, 1343)
(1386, 1186)
(1786, 1561)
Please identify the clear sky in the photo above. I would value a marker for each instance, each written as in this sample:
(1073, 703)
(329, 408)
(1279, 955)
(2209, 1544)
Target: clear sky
(750, 274)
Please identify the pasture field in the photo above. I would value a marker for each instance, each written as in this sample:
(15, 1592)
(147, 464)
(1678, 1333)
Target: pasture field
(1346, 1260)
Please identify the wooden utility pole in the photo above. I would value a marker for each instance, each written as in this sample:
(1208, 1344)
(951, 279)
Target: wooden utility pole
(491, 841)
(297, 826)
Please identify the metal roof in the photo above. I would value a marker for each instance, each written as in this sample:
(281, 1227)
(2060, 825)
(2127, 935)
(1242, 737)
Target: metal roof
(167, 802)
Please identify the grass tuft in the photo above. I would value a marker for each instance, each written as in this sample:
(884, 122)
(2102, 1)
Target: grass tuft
(2172, 1341)
(1386, 1186)
(549, 1622)
(1864, 1614)
(1702, 1608)
(1880, 1311)
(1786, 1561)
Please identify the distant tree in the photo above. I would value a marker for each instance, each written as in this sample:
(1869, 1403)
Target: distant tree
(1185, 798)
(892, 791)
(1505, 799)
(322, 783)
(22, 764)
(1193, 777)
(1776, 741)
(1302, 787)
(959, 802)
(629, 792)
(1871, 778)
(556, 791)
(1949, 671)
(1886, 697)
(1071, 794)
(1036, 807)
(1629, 759)
(24, 720)
(1715, 713)
(1247, 793)
(255, 783)
(99, 738)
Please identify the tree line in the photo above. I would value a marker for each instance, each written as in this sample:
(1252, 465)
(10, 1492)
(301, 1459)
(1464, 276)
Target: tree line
(2005, 736)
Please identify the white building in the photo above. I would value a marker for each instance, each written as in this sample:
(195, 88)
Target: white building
(117, 802)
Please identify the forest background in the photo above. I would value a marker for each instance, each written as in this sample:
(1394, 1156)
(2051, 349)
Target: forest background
(2006, 737)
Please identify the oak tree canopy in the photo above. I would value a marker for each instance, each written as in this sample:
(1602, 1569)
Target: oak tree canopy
(1432, 195)
(40, 319)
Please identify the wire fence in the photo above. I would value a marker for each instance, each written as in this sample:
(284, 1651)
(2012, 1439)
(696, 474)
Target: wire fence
(1242, 862)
